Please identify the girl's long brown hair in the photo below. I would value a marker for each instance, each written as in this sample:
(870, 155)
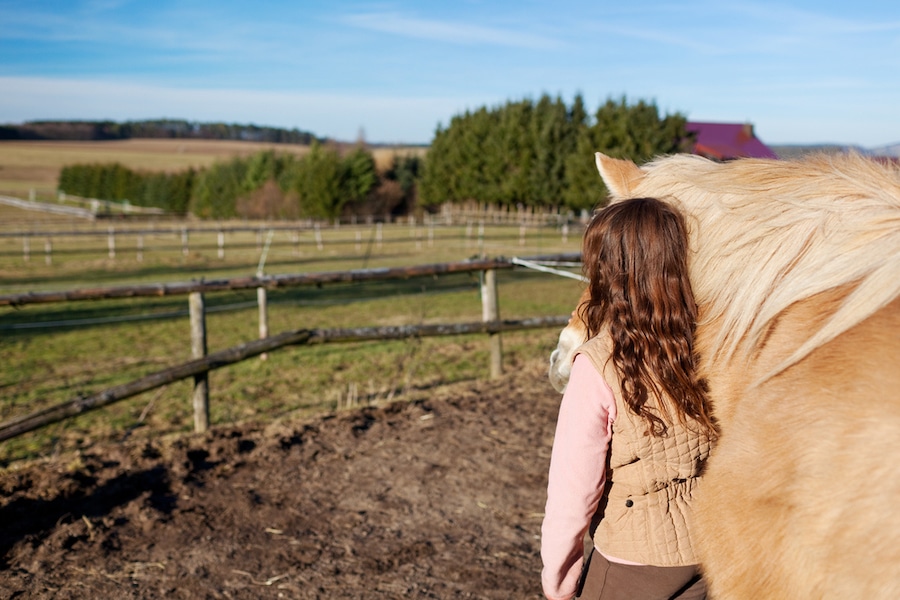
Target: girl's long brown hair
(635, 256)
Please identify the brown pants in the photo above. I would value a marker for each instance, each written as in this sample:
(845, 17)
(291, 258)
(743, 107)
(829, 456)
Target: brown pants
(604, 580)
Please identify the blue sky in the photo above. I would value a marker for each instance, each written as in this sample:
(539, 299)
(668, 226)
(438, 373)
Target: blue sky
(800, 71)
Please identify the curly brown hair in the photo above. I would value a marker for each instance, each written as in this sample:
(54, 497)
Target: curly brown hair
(635, 257)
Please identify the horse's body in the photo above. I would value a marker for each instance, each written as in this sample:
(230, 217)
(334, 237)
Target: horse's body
(796, 270)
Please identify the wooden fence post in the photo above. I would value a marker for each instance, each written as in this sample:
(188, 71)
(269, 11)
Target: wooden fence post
(262, 299)
(481, 239)
(490, 311)
(198, 350)
(111, 242)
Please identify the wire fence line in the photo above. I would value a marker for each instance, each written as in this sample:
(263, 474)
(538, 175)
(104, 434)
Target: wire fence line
(117, 240)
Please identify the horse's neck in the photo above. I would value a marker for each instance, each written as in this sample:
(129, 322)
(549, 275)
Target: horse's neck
(732, 379)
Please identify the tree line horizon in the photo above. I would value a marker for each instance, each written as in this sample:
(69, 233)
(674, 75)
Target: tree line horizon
(522, 153)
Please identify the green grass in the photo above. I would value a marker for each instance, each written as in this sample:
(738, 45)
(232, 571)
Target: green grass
(51, 353)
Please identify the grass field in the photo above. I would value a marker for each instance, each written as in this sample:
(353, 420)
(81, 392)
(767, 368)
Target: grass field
(55, 352)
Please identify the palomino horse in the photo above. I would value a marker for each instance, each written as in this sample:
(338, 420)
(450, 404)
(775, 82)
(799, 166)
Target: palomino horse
(795, 266)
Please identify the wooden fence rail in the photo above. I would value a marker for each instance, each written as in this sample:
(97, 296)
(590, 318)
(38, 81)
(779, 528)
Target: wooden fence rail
(272, 281)
(216, 360)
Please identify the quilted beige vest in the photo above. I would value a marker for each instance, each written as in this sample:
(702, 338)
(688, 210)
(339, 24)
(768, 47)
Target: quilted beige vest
(645, 512)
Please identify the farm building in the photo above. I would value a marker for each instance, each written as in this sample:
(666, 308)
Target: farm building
(725, 141)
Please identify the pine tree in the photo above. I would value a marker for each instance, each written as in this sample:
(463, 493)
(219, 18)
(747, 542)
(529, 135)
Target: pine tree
(318, 183)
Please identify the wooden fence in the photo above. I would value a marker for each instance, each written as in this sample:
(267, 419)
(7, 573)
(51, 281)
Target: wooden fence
(115, 241)
(199, 367)
(448, 213)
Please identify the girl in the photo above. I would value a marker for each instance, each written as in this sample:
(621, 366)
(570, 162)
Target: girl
(635, 425)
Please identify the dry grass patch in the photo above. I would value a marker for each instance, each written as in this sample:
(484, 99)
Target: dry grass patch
(384, 157)
(36, 164)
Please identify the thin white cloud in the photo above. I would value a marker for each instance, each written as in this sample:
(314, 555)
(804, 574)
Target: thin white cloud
(446, 31)
(401, 118)
(665, 38)
(746, 28)
(171, 31)
(811, 22)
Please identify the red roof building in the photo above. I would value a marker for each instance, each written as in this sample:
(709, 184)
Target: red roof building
(725, 141)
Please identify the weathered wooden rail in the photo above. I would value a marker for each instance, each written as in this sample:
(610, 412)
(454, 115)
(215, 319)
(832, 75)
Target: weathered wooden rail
(222, 358)
(270, 281)
(199, 367)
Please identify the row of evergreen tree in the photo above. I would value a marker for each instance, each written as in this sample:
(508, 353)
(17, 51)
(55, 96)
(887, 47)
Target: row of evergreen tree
(524, 152)
(542, 153)
(323, 184)
(168, 191)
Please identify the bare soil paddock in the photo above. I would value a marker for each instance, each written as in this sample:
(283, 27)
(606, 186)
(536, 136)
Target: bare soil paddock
(440, 497)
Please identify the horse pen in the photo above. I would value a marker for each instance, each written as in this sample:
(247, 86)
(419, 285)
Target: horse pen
(438, 495)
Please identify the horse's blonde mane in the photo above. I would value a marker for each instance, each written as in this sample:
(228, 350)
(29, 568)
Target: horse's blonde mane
(766, 234)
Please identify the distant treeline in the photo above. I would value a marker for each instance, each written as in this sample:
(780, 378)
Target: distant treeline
(323, 184)
(522, 153)
(160, 128)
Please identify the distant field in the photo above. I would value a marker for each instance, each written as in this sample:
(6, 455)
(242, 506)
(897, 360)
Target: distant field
(26, 165)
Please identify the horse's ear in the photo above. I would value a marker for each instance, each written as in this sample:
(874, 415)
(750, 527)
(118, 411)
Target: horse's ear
(620, 176)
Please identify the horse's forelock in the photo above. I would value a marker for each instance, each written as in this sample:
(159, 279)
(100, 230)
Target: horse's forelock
(766, 234)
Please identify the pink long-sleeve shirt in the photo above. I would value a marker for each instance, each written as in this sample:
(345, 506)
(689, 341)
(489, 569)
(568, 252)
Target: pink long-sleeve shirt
(577, 476)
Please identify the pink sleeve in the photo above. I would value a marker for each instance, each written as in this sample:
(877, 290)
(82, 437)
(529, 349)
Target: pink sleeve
(577, 476)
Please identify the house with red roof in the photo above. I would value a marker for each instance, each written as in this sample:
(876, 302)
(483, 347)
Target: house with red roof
(726, 141)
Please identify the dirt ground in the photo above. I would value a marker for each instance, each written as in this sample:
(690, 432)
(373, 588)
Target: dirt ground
(438, 497)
